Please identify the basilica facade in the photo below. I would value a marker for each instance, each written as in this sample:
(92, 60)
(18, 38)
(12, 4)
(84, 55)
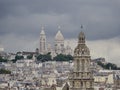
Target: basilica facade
(58, 47)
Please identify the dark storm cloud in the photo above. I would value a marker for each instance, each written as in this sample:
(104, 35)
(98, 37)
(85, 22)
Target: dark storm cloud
(99, 17)
(24, 18)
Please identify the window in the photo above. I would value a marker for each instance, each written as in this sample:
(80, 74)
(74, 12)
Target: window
(78, 64)
(81, 84)
(67, 88)
(73, 84)
(77, 74)
(83, 62)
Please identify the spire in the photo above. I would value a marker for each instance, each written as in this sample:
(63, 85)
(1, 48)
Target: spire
(42, 31)
(42, 48)
(81, 37)
(81, 48)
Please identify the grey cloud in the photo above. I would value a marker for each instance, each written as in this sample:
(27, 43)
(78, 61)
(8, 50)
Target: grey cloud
(107, 48)
(14, 43)
(24, 18)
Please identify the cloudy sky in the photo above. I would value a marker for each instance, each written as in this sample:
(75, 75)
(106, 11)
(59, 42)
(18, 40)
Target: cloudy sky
(21, 21)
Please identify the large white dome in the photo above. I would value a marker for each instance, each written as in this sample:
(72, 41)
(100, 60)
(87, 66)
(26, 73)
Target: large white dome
(59, 36)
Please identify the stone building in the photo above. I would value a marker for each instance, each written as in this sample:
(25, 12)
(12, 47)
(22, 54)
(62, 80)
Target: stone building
(42, 49)
(81, 78)
(59, 43)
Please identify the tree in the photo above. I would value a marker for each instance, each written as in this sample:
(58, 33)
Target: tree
(108, 66)
(0, 57)
(3, 60)
(3, 71)
(48, 56)
(70, 57)
(18, 57)
(101, 64)
(62, 57)
(14, 60)
(30, 56)
(45, 57)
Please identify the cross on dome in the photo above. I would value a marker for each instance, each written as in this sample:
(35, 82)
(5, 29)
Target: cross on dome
(42, 31)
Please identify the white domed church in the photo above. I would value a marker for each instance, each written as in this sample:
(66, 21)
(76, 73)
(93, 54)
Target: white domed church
(59, 43)
(59, 46)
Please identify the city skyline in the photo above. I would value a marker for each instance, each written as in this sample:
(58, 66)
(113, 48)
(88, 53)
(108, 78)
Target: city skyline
(21, 22)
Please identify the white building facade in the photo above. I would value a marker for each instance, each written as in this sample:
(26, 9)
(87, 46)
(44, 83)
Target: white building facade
(42, 49)
(59, 43)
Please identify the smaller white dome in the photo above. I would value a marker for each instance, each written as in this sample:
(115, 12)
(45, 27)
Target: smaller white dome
(59, 36)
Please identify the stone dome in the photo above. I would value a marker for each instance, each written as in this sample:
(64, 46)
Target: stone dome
(81, 37)
(81, 48)
(59, 36)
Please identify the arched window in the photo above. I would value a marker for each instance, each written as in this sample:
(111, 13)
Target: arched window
(81, 84)
(73, 83)
(83, 62)
(67, 88)
(78, 64)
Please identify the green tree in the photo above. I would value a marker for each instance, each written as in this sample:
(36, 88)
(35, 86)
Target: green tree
(30, 56)
(62, 57)
(101, 64)
(17, 57)
(14, 60)
(3, 71)
(108, 66)
(40, 57)
(48, 56)
(3, 60)
(69, 57)
(45, 57)
(0, 57)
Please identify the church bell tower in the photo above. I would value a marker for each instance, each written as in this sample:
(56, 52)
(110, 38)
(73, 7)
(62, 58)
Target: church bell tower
(42, 49)
(81, 78)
